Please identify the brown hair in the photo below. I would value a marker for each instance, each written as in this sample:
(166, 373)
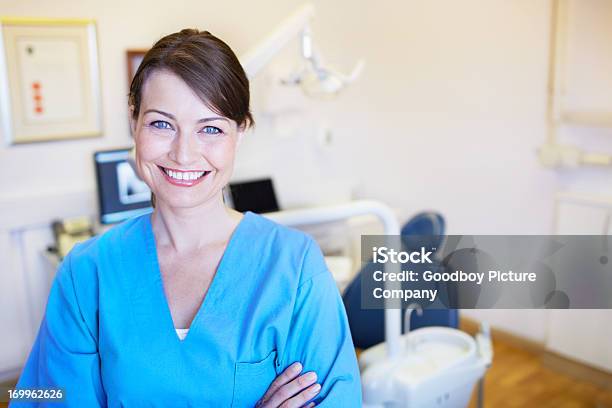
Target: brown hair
(207, 65)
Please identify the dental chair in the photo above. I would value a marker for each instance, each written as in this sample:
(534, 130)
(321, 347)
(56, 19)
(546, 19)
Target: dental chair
(438, 366)
(367, 326)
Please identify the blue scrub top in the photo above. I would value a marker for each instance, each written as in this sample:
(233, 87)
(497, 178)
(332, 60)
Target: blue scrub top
(107, 337)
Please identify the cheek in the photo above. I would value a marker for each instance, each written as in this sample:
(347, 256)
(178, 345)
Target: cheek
(220, 155)
(148, 148)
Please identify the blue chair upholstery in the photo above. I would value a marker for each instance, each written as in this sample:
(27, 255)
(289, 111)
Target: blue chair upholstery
(368, 326)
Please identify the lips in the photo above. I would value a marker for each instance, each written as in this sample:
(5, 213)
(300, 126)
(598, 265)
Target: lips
(184, 178)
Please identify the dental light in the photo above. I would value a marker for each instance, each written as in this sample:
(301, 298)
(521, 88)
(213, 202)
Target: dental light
(315, 79)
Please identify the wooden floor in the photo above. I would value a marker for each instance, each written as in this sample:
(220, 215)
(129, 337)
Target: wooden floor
(518, 379)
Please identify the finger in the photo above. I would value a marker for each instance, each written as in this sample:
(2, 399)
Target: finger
(286, 376)
(300, 399)
(292, 389)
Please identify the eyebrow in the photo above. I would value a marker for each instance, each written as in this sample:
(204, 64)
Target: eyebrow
(169, 115)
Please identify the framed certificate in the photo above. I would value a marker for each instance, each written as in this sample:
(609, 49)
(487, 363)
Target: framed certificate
(49, 80)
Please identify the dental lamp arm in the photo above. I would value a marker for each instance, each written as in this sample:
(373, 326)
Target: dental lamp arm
(315, 78)
(257, 58)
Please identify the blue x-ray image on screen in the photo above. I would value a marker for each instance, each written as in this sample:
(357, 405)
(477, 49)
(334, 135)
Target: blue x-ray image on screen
(121, 193)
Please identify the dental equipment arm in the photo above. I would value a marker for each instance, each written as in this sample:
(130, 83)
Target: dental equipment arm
(257, 58)
(314, 78)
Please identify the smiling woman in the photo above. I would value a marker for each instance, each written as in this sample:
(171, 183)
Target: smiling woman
(195, 304)
(173, 60)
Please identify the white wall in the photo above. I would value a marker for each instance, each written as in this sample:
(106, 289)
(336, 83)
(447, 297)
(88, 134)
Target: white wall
(447, 115)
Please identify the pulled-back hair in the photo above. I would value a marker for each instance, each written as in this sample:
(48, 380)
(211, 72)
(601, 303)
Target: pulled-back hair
(207, 65)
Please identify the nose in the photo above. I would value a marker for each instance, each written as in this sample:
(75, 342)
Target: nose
(184, 149)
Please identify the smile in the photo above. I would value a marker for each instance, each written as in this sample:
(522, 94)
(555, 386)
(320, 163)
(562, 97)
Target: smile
(185, 178)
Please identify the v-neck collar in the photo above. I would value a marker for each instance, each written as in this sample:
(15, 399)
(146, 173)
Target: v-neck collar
(209, 300)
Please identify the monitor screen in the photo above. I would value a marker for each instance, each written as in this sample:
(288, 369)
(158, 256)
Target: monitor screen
(121, 193)
(257, 196)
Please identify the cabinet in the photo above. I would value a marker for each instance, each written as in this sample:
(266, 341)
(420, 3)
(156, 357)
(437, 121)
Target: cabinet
(582, 335)
(25, 274)
(580, 85)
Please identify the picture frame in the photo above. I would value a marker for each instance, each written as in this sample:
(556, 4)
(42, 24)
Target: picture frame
(49, 80)
(134, 58)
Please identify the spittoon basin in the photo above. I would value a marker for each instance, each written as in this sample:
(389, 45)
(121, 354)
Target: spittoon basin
(438, 367)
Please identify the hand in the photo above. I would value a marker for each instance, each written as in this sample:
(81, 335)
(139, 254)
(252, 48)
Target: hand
(289, 390)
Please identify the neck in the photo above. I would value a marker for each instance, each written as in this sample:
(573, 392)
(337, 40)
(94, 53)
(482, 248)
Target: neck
(188, 229)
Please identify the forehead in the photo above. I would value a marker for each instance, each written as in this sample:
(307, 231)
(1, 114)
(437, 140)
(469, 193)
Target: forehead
(166, 91)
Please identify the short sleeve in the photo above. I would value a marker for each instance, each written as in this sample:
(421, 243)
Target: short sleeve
(319, 336)
(65, 352)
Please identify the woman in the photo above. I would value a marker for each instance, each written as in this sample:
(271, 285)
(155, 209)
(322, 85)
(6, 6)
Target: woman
(255, 299)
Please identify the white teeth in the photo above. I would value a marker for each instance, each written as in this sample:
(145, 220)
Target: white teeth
(184, 175)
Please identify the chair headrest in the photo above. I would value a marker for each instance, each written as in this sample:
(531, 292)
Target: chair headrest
(424, 229)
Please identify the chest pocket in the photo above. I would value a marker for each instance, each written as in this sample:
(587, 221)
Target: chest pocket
(251, 380)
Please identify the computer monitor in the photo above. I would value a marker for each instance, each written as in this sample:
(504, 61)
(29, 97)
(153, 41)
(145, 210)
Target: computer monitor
(121, 193)
(257, 196)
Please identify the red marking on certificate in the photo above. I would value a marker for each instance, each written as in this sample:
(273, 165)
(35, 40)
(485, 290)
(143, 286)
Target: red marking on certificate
(37, 96)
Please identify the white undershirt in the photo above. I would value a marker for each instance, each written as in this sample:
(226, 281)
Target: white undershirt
(182, 333)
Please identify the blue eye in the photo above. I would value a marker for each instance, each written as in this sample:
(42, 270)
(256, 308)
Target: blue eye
(211, 130)
(161, 124)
